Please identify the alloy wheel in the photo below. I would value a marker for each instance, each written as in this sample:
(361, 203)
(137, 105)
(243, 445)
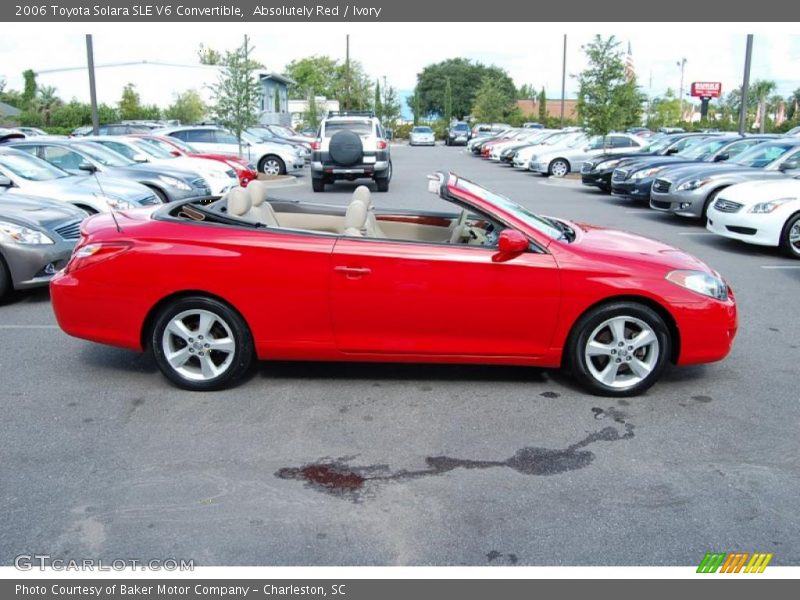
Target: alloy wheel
(198, 345)
(621, 352)
(559, 168)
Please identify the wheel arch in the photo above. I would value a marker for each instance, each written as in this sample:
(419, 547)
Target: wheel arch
(150, 318)
(654, 305)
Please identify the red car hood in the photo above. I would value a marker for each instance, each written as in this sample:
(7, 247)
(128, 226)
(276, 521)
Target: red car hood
(613, 243)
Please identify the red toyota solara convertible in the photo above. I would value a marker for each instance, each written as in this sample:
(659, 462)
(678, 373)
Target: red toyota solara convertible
(209, 287)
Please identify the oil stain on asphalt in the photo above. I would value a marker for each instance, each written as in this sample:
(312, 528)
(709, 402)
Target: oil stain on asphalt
(340, 478)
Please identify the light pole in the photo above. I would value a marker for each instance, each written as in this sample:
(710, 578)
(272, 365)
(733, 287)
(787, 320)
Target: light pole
(682, 64)
(748, 54)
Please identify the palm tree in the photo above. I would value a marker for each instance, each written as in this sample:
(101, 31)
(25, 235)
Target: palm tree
(46, 101)
(761, 90)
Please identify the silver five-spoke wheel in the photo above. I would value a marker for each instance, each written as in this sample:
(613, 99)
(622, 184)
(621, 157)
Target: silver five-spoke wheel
(559, 168)
(198, 345)
(621, 352)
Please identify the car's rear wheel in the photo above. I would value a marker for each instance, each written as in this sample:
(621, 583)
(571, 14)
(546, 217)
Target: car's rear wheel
(619, 349)
(201, 344)
(559, 168)
(383, 182)
(790, 236)
(318, 184)
(272, 165)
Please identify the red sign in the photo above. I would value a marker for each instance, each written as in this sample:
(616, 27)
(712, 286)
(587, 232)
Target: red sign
(707, 89)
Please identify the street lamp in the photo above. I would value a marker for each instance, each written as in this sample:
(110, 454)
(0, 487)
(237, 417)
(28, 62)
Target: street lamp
(682, 64)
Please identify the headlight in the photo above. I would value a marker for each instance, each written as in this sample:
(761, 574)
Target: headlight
(23, 235)
(763, 208)
(692, 184)
(700, 283)
(175, 183)
(646, 173)
(606, 164)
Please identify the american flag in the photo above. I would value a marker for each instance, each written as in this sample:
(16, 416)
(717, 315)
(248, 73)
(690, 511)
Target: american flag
(630, 70)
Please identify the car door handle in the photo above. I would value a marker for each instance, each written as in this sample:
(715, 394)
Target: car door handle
(352, 271)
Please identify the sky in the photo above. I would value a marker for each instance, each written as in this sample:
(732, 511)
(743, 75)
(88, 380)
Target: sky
(529, 52)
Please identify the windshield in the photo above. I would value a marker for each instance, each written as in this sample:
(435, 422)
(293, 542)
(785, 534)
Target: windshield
(260, 134)
(657, 145)
(30, 167)
(162, 146)
(106, 157)
(555, 139)
(189, 149)
(704, 149)
(461, 127)
(549, 227)
(360, 127)
(578, 142)
(422, 130)
(152, 149)
(762, 155)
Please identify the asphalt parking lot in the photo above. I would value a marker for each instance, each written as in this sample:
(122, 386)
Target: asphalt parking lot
(414, 465)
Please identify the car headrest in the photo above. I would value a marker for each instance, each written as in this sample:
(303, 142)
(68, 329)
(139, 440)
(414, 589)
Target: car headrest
(356, 215)
(362, 194)
(238, 202)
(257, 192)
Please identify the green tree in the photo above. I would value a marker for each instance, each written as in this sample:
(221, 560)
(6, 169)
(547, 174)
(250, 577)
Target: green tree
(130, 105)
(29, 90)
(793, 104)
(390, 106)
(664, 111)
(311, 117)
(760, 90)
(187, 107)
(236, 93)
(208, 56)
(542, 106)
(607, 99)
(492, 103)
(465, 78)
(46, 102)
(526, 92)
(319, 73)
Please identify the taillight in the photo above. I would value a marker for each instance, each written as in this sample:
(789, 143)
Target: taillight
(89, 254)
(316, 145)
(382, 145)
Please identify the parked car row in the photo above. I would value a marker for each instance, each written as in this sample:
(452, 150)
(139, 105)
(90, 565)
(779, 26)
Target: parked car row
(49, 184)
(744, 187)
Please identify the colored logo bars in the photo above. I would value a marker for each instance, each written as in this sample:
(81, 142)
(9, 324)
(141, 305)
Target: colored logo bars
(734, 562)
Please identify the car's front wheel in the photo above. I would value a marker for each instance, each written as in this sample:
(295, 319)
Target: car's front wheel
(201, 344)
(272, 165)
(790, 236)
(619, 349)
(559, 168)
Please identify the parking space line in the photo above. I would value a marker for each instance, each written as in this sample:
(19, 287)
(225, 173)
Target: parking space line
(696, 233)
(29, 327)
(780, 266)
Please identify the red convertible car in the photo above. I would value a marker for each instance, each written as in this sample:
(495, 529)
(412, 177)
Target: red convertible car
(209, 287)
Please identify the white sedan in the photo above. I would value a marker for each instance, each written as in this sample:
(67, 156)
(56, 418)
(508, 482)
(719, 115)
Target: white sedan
(421, 136)
(766, 213)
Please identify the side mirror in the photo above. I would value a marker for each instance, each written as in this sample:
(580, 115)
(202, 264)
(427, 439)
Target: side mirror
(789, 165)
(88, 167)
(672, 151)
(722, 157)
(175, 152)
(5, 181)
(511, 241)
(139, 158)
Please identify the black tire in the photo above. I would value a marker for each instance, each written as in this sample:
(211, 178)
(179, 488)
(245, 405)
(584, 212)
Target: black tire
(554, 168)
(6, 285)
(160, 193)
(345, 148)
(382, 184)
(787, 247)
(605, 188)
(87, 209)
(318, 184)
(272, 163)
(589, 325)
(235, 363)
(709, 201)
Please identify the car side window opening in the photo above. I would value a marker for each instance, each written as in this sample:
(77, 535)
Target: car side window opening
(62, 157)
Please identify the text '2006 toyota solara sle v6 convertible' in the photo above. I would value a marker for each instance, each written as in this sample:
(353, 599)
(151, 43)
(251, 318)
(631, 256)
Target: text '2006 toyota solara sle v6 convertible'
(209, 287)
